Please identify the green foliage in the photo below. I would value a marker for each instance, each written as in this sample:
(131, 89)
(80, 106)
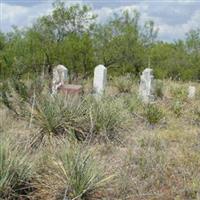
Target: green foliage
(15, 169)
(70, 35)
(153, 114)
(175, 60)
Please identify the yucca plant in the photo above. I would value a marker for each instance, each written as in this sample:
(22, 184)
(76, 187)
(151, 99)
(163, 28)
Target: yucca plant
(57, 115)
(153, 114)
(84, 117)
(107, 116)
(15, 170)
(48, 115)
(74, 173)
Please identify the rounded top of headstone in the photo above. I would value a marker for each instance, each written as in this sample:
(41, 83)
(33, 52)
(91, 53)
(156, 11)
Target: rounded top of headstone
(100, 67)
(60, 67)
(148, 70)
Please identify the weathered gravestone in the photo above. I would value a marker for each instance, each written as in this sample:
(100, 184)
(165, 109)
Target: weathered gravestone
(191, 92)
(146, 88)
(60, 76)
(100, 79)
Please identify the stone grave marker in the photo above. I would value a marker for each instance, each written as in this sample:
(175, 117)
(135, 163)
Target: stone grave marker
(191, 92)
(60, 77)
(146, 87)
(100, 79)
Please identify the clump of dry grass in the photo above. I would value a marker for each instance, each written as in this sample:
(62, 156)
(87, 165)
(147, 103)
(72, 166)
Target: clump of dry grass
(155, 169)
(123, 84)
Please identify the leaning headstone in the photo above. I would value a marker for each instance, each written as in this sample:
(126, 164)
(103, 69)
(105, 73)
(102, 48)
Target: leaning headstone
(191, 92)
(100, 79)
(60, 77)
(146, 88)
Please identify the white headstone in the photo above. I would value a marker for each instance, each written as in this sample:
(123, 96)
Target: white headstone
(60, 76)
(191, 92)
(146, 86)
(100, 79)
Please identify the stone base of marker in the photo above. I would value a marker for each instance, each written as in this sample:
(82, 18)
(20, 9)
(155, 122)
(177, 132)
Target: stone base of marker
(71, 89)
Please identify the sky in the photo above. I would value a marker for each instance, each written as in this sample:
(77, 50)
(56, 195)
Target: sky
(173, 18)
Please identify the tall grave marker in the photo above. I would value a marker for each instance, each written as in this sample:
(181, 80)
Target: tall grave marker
(100, 79)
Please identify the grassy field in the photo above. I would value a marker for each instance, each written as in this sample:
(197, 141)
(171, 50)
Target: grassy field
(73, 148)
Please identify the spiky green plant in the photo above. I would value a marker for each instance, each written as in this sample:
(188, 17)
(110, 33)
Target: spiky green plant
(153, 113)
(74, 173)
(57, 115)
(85, 117)
(15, 169)
(80, 170)
(107, 116)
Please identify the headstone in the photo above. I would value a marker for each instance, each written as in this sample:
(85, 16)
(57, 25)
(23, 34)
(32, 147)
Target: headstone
(60, 76)
(146, 88)
(100, 79)
(191, 92)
